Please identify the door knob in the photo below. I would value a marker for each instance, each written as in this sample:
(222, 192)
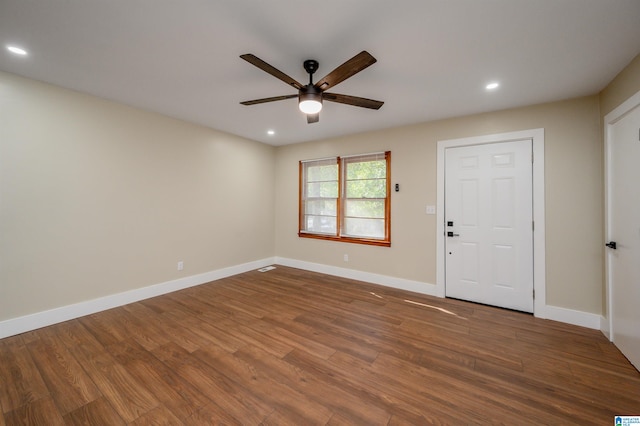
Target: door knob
(612, 244)
(451, 234)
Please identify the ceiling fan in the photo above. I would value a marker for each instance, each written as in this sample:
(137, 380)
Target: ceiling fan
(310, 96)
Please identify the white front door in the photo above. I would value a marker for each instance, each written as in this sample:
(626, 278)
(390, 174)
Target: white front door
(489, 224)
(623, 228)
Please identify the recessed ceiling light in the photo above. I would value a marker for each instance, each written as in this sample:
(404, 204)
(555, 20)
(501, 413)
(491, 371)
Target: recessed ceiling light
(17, 50)
(492, 86)
(271, 132)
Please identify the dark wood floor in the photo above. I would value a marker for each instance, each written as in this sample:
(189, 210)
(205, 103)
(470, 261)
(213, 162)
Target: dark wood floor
(294, 347)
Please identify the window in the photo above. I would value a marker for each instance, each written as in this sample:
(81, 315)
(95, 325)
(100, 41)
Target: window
(346, 199)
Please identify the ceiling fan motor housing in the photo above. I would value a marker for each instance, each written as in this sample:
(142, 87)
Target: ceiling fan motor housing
(310, 66)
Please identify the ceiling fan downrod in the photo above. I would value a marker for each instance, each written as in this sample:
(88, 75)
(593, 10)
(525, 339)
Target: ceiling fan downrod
(310, 66)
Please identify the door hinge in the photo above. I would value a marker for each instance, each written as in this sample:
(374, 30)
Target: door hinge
(531, 157)
(534, 294)
(533, 225)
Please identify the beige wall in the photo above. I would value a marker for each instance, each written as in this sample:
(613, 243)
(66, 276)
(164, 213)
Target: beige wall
(574, 191)
(98, 198)
(625, 85)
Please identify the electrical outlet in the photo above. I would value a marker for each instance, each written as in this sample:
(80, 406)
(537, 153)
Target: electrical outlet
(431, 210)
(346, 257)
(180, 265)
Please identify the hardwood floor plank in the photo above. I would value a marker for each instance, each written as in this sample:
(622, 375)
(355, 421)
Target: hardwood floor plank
(235, 400)
(172, 390)
(362, 339)
(17, 341)
(212, 414)
(335, 398)
(399, 420)
(335, 342)
(400, 375)
(532, 393)
(431, 321)
(75, 337)
(105, 328)
(40, 412)
(162, 304)
(98, 412)
(602, 387)
(256, 338)
(159, 416)
(203, 306)
(20, 379)
(144, 331)
(178, 334)
(276, 393)
(468, 344)
(468, 392)
(126, 395)
(210, 332)
(251, 309)
(67, 382)
(368, 389)
(292, 340)
(404, 343)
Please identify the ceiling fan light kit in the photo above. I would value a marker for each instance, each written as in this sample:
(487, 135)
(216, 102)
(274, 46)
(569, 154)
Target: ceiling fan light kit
(311, 96)
(310, 100)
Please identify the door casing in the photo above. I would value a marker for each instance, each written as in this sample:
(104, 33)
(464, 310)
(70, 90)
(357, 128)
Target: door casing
(537, 137)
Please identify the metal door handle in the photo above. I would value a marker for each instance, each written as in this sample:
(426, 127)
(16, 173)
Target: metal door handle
(612, 244)
(451, 234)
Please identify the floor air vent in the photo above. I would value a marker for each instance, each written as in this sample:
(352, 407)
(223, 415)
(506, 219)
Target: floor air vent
(266, 268)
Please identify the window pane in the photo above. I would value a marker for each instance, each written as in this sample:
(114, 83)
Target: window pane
(370, 228)
(367, 188)
(322, 207)
(365, 208)
(320, 173)
(322, 190)
(320, 224)
(366, 169)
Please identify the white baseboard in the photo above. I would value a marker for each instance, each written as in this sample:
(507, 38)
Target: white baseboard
(399, 283)
(30, 322)
(570, 316)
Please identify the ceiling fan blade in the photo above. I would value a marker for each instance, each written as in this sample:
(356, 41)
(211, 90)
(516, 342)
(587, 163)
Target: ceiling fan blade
(263, 100)
(313, 118)
(352, 100)
(353, 66)
(252, 59)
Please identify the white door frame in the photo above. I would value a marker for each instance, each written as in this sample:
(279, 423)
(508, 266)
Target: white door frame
(609, 120)
(537, 137)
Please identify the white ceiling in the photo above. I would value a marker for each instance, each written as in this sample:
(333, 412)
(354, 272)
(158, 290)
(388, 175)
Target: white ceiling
(181, 58)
